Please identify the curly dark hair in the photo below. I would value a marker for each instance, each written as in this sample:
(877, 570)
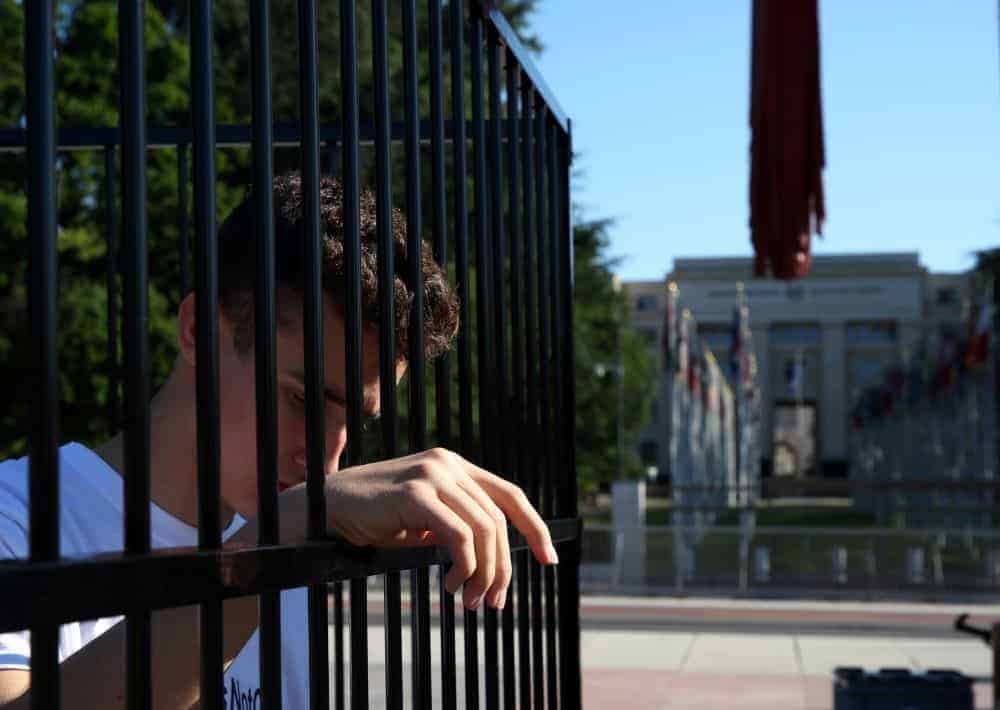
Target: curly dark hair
(237, 266)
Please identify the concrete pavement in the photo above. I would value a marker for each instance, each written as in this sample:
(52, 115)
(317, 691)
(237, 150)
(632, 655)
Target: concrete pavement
(756, 655)
(736, 654)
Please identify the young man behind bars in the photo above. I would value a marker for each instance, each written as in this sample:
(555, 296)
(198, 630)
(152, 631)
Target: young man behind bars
(430, 498)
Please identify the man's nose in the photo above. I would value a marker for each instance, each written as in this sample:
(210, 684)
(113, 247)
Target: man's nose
(336, 440)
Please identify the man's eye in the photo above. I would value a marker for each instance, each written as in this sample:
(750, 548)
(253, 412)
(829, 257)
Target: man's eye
(298, 397)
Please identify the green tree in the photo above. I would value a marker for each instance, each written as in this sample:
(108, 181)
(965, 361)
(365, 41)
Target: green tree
(87, 96)
(600, 311)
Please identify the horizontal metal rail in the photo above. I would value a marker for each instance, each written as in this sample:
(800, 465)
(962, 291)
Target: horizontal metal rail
(226, 135)
(66, 590)
(800, 530)
(509, 38)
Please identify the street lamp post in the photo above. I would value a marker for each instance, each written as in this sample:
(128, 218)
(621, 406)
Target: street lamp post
(616, 284)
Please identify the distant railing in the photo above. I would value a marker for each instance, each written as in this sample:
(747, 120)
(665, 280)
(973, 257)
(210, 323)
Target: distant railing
(774, 560)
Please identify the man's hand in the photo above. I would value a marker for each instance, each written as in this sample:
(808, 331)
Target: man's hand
(438, 498)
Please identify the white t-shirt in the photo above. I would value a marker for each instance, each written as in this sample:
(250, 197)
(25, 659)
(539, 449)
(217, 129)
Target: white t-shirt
(91, 516)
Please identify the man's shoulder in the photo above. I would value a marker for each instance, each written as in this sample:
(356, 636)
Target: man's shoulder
(14, 508)
(86, 484)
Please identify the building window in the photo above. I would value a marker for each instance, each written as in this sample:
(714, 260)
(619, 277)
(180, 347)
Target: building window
(946, 296)
(649, 452)
(802, 335)
(718, 338)
(865, 370)
(875, 333)
(646, 302)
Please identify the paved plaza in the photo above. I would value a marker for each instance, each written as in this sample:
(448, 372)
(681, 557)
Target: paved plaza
(648, 654)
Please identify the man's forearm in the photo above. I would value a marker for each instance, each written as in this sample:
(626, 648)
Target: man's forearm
(94, 676)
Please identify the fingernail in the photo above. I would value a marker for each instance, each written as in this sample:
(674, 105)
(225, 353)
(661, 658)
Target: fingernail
(476, 603)
(500, 599)
(550, 551)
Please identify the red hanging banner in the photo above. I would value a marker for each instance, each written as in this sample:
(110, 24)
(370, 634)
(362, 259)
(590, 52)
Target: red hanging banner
(786, 122)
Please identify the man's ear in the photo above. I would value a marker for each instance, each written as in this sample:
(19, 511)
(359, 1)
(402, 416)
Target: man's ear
(187, 337)
(186, 329)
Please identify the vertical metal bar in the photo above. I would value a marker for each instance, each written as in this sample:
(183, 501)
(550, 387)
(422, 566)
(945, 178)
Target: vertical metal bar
(133, 117)
(420, 597)
(461, 230)
(516, 398)
(339, 696)
(442, 379)
(442, 374)
(43, 462)
(497, 273)
(484, 321)
(387, 328)
(995, 644)
(352, 322)
(554, 473)
(548, 459)
(111, 220)
(183, 227)
(313, 300)
(532, 676)
(265, 349)
(569, 581)
(551, 659)
(338, 645)
(447, 622)
(207, 336)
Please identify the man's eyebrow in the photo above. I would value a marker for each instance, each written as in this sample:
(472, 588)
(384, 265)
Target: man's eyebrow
(337, 396)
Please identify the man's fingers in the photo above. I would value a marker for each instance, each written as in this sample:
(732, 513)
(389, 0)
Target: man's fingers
(484, 528)
(514, 504)
(497, 593)
(448, 529)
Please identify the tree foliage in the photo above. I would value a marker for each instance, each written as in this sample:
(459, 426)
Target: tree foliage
(87, 96)
(600, 311)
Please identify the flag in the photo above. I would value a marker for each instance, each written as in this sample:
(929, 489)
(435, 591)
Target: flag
(683, 347)
(977, 350)
(694, 376)
(786, 147)
(736, 345)
(670, 332)
(795, 375)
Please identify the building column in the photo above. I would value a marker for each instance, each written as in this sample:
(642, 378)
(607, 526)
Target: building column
(762, 349)
(833, 399)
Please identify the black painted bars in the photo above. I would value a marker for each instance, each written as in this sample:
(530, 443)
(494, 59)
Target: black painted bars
(314, 345)
(131, 47)
(207, 335)
(419, 578)
(352, 321)
(533, 193)
(484, 322)
(387, 328)
(265, 352)
(518, 458)
(442, 373)
(462, 276)
(111, 281)
(43, 462)
(496, 279)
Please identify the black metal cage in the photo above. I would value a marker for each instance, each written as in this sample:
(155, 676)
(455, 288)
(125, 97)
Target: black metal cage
(514, 398)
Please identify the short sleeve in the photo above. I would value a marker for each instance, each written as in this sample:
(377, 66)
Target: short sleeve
(15, 647)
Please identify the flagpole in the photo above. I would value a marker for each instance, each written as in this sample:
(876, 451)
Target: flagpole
(994, 345)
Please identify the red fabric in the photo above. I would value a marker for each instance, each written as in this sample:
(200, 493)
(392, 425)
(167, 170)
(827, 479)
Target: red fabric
(786, 152)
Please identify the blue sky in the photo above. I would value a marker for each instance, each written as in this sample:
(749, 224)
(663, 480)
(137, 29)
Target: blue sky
(658, 91)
